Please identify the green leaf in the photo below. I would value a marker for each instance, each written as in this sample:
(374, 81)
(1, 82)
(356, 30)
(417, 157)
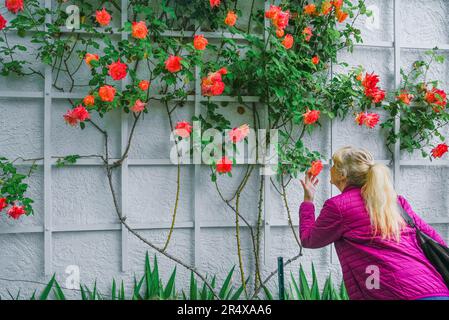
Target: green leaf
(170, 285)
(58, 292)
(225, 287)
(47, 289)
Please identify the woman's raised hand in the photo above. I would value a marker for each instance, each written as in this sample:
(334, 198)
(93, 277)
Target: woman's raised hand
(309, 184)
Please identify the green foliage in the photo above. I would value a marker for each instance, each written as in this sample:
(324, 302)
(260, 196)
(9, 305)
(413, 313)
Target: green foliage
(150, 287)
(421, 121)
(303, 290)
(13, 186)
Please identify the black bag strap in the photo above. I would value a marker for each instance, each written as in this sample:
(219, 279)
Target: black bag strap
(407, 218)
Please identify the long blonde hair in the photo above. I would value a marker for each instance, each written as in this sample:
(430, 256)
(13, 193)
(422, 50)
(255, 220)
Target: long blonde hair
(359, 168)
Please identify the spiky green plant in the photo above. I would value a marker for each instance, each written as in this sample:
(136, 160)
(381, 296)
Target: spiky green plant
(151, 287)
(303, 291)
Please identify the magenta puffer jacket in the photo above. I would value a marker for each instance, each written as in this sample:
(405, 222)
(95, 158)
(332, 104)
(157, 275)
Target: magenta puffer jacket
(401, 269)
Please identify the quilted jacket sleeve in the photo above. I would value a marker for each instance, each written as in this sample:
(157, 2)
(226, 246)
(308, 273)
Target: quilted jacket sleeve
(420, 223)
(322, 231)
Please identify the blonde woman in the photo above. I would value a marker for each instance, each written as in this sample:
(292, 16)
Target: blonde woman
(378, 252)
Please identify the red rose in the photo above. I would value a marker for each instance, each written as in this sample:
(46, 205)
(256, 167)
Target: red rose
(360, 118)
(272, 12)
(183, 129)
(103, 17)
(311, 116)
(214, 3)
(315, 60)
(117, 70)
(437, 98)
(16, 211)
(224, 165)
(2, 22)
(288, 41)
(280, 21)
(3, 203)
(279, 18)
(368, 119)
(371, 120)
(316, 167)
(144, 85)
(173, 64)
(199, 42)
(439, 150)
(107, 93)
(72, 117)
(377, 95)
(14, 6)
(372, 91)
(213, 85)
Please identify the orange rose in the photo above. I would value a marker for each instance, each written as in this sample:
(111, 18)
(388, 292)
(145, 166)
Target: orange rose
(144, 85)
(231, 18)
(316, 167)
(139, 30)
(280, 33)
(405, 97)
(326, 7)
(107, 93)
(89, 100)
(89, 57)
(288, 41)
(337, 4)
(199, 42)
(310, 9)
(315, 60)
(341, 15)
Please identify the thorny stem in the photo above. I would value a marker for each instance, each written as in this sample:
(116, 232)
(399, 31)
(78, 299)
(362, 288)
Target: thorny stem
(172, 226)
(284, 197)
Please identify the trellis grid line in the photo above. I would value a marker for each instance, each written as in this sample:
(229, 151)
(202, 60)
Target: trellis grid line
(48, 162)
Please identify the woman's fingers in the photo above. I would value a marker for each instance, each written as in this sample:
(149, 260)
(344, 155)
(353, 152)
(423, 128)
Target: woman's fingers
(316, 182)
